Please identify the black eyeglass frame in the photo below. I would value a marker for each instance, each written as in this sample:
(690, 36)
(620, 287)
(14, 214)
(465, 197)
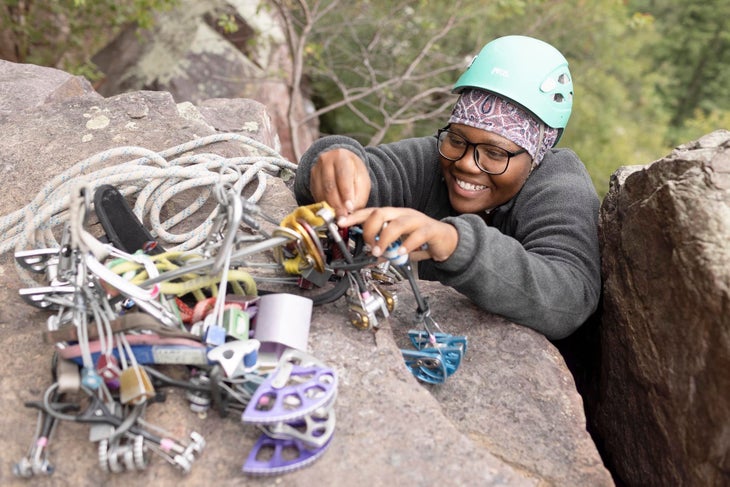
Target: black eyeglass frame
(510, 155)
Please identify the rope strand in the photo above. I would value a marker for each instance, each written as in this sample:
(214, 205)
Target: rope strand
(153, 179)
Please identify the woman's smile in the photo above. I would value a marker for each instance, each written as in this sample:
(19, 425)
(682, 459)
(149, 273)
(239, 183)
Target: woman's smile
(467, 186)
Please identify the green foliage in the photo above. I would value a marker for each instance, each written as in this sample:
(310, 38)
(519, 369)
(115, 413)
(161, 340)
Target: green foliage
(405, 48)
(701, 123)
(618, 117)
(692, 51)
(66, 33)
(227, 22)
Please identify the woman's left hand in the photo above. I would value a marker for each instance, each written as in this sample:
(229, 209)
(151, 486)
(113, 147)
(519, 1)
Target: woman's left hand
(421, 236)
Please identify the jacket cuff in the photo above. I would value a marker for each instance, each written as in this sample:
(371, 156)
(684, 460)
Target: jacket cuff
(463, 254)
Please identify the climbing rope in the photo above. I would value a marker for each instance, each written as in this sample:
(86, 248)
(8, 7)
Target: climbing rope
(153, 179)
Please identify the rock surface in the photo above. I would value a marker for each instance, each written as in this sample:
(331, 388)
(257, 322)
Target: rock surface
(188, 55)
(509, 416)
(663, 407)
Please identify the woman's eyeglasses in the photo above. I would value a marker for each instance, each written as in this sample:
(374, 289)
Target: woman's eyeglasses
(488, 158)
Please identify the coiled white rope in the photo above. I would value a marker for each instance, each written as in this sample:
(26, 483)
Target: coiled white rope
(154, 178)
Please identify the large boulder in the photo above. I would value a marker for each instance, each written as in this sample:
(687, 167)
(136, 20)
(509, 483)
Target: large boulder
(663, 401)
(509, 416)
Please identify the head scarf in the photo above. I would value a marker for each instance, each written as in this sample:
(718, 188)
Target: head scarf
(487, 111)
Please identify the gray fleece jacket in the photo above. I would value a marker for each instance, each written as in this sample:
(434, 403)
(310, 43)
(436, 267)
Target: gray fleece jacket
(536, 262)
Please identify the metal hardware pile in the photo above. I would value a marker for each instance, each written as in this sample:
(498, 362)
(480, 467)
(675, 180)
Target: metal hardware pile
(119, 317)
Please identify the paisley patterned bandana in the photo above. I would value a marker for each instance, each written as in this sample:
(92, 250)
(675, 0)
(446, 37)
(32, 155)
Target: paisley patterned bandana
(487, 111)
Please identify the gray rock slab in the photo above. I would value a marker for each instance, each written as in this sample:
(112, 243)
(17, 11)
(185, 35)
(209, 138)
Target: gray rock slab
(486, 398)
(24, 86)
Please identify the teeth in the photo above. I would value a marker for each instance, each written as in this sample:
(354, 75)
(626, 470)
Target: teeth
(469, 186)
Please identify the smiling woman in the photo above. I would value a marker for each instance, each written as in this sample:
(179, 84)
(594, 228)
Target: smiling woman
(483, 179)
(488, 206)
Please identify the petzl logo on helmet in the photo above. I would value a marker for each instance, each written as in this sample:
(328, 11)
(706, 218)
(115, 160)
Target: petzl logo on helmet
(500, 72)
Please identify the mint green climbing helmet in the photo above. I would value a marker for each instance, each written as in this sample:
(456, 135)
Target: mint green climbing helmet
(527, 71)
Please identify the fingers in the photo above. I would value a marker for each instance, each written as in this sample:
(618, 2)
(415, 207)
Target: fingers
(374, 230)
(360, 189)
(324, 185)
(436, 241)
(421, 236)
(355, 218)
(418, 255)
(341, 179)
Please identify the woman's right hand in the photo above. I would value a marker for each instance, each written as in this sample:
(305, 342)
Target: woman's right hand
(340, 178)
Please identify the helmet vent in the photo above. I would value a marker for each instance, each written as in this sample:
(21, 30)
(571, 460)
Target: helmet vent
(558, 98)
(564, 79)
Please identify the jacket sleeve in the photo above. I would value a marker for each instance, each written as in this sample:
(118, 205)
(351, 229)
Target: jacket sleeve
(402, 174)
(540, 266)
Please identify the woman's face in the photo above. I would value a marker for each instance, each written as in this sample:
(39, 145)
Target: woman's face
(473, 191)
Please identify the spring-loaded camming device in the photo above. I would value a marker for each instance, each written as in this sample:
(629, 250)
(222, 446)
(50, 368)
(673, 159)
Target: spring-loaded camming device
(437, 354)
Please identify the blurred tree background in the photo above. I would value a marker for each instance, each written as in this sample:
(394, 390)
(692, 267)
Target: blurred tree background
(648, 75)
(65, 34)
